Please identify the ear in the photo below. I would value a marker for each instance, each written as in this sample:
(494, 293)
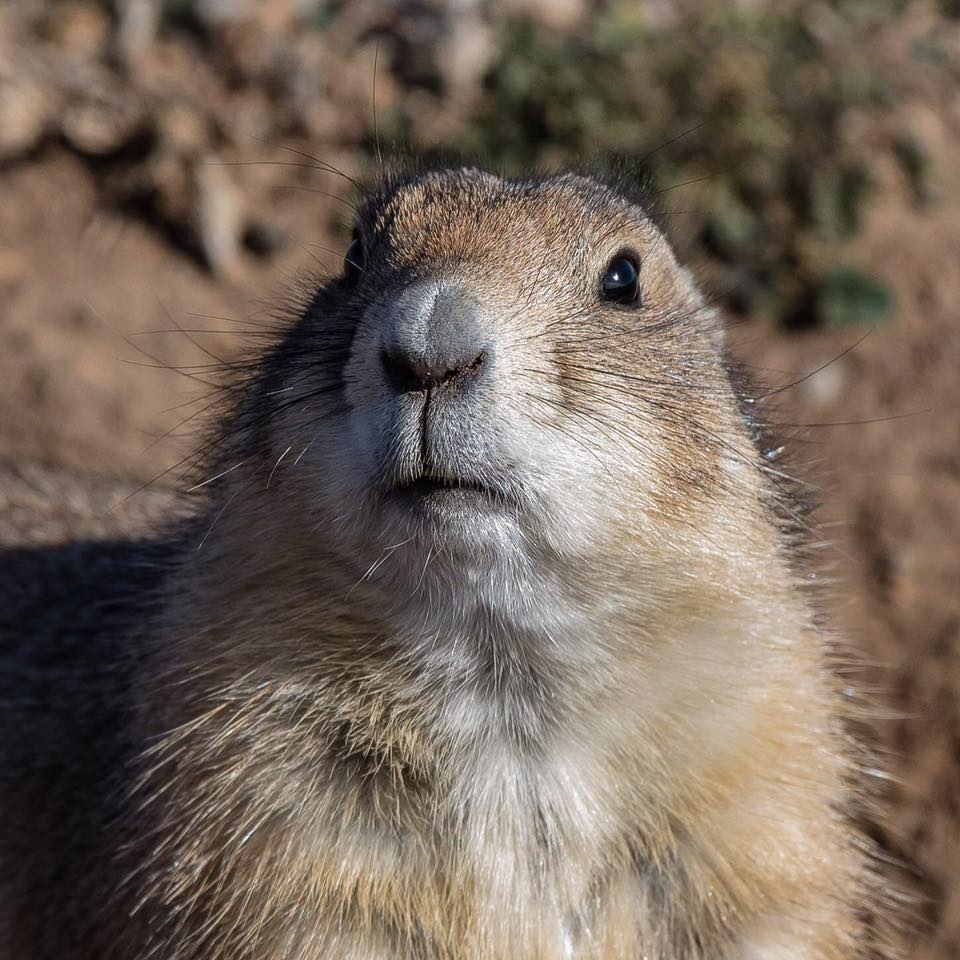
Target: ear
(709, 315)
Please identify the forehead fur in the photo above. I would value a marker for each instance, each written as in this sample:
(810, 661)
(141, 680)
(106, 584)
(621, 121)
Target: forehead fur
(468, 214)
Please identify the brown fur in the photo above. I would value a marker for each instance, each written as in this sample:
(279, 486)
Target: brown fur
(300, 741)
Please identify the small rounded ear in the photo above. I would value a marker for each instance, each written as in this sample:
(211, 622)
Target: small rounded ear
(711, 318)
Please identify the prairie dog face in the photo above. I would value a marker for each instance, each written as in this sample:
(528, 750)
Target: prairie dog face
(508, 375)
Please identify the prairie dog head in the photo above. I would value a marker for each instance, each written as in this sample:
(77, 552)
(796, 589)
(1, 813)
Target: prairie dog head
(509, 380)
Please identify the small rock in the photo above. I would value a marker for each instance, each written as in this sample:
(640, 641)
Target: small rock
(137, 27)
(25, 116)
(97, 128)
(826, 387)
(101, 116)
(560, 15)
(466, 52)
(79, 29)
(217, 216)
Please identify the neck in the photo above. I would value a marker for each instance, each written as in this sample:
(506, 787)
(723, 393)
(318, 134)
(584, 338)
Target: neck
(488, 757)
(514, 656)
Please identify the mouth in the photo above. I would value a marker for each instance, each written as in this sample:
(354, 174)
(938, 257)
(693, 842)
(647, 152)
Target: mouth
(433, 491)
(425, 487)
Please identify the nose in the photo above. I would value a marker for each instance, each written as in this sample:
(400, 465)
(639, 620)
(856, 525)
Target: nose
(409, 373)
(435, 337)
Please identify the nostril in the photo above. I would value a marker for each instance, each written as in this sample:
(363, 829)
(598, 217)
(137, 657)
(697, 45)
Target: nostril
(462, 369)
(403, 373)
(408, 374)
(476, 362)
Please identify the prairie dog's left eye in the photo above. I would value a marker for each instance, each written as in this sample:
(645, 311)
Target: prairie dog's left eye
(621, 282)
(353, 261)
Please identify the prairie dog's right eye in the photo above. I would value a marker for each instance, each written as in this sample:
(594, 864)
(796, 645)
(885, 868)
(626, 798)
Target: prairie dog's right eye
(353, 261)
(621, 282)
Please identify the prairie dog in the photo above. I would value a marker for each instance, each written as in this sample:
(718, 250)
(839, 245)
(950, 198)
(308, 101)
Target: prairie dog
(485, 643)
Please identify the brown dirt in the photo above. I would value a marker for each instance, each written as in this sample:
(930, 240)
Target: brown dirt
(94, 308)
(877, 431)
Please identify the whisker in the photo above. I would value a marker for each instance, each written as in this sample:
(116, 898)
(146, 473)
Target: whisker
(684, 183)
(219, 514)
(246, 320)
(222, 473)
(376, 129)
(812, 373)
(859, 423)
(324, 165)
(277, 464)
(352, 207)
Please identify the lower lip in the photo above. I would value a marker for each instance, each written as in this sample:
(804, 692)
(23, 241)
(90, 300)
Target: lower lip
(427, 493)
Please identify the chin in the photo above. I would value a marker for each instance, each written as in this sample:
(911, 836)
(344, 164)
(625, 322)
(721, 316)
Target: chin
(464, 524)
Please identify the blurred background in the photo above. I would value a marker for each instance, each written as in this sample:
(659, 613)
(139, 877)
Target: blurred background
(168, 168)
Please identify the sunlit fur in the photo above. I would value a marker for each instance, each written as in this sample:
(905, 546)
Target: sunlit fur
(589, 717)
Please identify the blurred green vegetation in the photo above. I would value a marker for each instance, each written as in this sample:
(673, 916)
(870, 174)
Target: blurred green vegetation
(769, 129)
(738, 114)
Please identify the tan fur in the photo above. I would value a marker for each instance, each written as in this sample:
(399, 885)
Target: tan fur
(627, 741)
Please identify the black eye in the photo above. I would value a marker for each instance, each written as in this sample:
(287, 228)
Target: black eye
(353, 260)
(621, 282)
